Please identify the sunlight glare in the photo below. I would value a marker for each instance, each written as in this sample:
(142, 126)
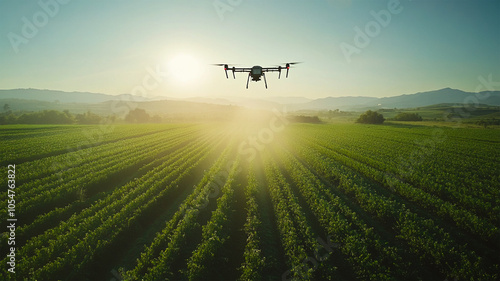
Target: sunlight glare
(184, 68)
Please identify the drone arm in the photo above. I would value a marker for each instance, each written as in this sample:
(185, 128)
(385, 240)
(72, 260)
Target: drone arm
(241, 69)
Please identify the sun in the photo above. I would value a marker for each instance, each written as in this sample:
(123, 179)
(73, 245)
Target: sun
(184, 68)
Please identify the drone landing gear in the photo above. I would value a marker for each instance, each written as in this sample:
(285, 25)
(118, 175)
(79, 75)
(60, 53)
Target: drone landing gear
(263, 74)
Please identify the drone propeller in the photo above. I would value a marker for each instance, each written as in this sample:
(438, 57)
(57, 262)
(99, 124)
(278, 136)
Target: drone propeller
(226, 67)
(292, 63)
(288, 65)
(224, 64)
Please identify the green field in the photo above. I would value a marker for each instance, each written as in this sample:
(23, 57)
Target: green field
(252, 201)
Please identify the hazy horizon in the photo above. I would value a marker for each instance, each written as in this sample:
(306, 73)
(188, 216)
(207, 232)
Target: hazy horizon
(153, 97)
(157, 48)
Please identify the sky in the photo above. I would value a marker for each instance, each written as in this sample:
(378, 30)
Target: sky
(375, 48)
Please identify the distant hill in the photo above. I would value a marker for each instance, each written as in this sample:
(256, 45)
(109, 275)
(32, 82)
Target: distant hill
(359, 103)
(248, 102)
(63, 97)
(343, 103)
(445, 95)
(36, 105)
(26, 99)
(165, 108)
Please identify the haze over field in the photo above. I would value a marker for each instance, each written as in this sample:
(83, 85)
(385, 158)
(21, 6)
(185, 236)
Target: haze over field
(127, 155)
(164, 48)
(35, 99)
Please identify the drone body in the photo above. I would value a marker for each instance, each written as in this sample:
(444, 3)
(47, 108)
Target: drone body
(256, 72)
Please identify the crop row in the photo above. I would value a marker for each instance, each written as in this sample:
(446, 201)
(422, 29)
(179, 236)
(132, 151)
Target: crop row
(55, 213)
(55, 167)
(372, 259)
(295, 234)
(85, 236)
(254, 260)
(156, 259)
(461, 217)
(215, 233)
(70, 138)
(94, 243)
(423, 236)
(76, 181)
(427, 162)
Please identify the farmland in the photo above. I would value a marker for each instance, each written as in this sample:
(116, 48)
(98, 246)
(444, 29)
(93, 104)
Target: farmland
(259, 201)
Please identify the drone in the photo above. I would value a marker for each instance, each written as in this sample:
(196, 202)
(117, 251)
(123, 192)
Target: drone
(256, 72)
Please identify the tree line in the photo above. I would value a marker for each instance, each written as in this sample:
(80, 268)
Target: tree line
(373, 117)
(65, 117)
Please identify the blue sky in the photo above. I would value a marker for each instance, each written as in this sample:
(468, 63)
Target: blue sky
(117, 47)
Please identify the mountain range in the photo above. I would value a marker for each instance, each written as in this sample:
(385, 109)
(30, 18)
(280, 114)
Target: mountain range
(35, 99)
